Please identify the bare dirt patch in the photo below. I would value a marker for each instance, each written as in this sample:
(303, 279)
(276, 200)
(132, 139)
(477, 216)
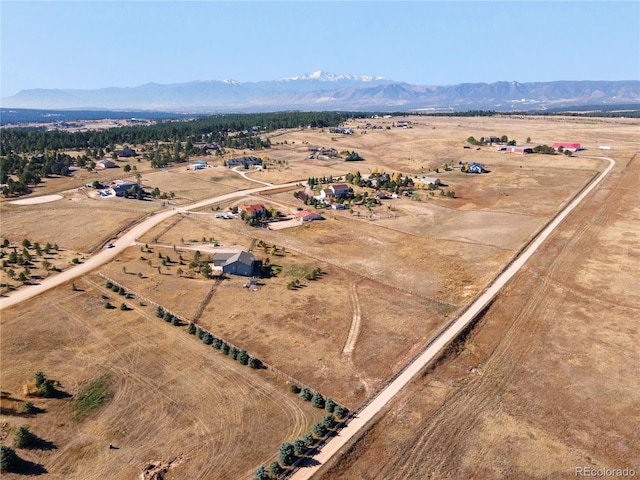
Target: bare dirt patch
(37, 200)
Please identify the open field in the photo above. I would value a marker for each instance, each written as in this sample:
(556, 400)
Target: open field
(169, 395)
(76, 222)
(547, 381)
(391, 276)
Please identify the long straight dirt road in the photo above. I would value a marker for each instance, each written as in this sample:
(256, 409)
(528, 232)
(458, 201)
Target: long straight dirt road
(440, 341)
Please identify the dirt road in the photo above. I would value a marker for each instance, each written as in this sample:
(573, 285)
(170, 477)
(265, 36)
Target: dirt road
(120, 245)
(441, 340)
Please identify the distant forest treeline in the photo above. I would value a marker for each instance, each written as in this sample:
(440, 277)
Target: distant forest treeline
(221, 129)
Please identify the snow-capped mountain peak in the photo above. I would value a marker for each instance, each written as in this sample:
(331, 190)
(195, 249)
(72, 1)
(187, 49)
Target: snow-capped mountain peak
(322, 76)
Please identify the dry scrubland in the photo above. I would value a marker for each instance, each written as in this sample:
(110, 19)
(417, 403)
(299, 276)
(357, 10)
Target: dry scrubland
(399, 274)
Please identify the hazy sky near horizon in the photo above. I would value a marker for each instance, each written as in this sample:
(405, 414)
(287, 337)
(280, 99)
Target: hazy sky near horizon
(91, 44)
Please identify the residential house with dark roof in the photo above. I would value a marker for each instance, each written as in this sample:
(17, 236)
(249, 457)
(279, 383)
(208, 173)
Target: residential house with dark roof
(239, 263)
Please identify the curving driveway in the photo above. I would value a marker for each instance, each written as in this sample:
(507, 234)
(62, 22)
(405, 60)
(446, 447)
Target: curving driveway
(122, 243)
(440, 341)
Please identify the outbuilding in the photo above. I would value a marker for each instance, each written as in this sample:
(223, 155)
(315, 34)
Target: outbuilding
(105, 163)
(573, 147)
(519, 149)
(308, 216)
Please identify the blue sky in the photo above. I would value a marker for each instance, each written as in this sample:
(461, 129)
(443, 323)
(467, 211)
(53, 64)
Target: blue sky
(87, 44)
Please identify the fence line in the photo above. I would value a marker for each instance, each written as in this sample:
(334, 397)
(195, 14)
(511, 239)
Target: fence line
(297, 464)
(275, 370)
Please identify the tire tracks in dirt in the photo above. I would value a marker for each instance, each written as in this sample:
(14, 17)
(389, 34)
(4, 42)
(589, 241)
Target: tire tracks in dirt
(354, 333)
(222, 447)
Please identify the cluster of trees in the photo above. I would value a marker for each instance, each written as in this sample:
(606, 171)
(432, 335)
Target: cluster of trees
(394, 182)
(544, 149)
(31, 171)
(23, 438)
(547, 150)
(240, 355)
(310, 276)
(228, 129)
(352, 157)
(313, 181)
(503, 139)
(25, 258)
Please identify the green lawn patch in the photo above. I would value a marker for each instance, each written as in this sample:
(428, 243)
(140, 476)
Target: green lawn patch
(92, 398)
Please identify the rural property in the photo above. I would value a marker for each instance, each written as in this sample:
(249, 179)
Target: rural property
(201, 306)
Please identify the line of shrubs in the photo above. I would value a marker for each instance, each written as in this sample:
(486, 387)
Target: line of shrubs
(168, 317)
(240, 355)
(318, 401)
(290, 452)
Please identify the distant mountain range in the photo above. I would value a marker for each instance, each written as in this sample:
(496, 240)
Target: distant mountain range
(327, 91)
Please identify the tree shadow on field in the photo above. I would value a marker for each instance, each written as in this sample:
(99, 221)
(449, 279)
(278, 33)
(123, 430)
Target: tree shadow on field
(25, 467)
(42, 444)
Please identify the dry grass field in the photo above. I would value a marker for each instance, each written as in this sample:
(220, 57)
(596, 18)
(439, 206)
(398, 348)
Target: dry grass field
(169, 395)
(547, 381)
(391, 277)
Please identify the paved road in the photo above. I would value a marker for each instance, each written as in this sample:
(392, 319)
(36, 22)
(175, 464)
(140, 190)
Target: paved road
(440, 341)
(121, 244)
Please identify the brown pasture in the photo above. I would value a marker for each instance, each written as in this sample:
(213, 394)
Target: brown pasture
(407, 266)
(169, 395)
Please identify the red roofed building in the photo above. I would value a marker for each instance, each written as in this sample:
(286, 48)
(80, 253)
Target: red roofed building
(255, 210)
(308, 216)
(574, 147)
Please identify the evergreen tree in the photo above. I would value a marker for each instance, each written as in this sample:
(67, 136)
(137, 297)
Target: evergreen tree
(329, 421)
(330, 405)
(320, 430)
(317, 400)
(47, 389)
(275, 469)
(207, 338)
(287, 454)
(8, 459)
(39, 378)
(305, 394)
(24, 438)
(299, 447)
(261, 474)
